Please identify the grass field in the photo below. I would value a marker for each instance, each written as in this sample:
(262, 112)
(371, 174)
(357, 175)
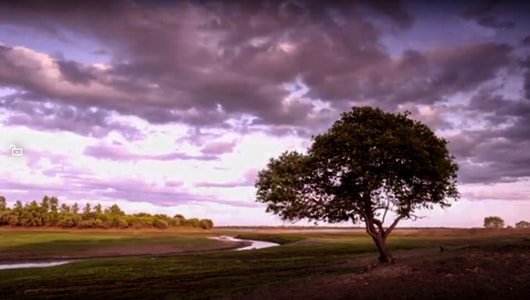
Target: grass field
(19, 245)
(301, 257)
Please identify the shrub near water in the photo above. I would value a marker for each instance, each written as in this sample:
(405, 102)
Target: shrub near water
(52, 214)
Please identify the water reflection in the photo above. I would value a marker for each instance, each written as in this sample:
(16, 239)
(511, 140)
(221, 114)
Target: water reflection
(254, 244)
(33, 265)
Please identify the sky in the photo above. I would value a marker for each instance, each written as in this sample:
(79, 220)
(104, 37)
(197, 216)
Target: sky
(175, 106)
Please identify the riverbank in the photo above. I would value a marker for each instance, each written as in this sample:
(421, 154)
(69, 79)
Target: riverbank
(43, 246)
(117, 252)
(47, 261)
(307, 266)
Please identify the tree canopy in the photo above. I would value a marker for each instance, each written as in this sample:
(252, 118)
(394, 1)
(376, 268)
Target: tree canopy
(522, 224)
(49, 212)
(369, 163)
(494, 222)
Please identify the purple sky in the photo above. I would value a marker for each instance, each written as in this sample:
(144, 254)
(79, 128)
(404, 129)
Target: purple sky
(174, 106)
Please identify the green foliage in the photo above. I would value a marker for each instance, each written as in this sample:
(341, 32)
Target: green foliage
(367, 164)
(51, 213)
(3, 203)
(493, 222)
(206, 224)
(522, 224)
(368, 157)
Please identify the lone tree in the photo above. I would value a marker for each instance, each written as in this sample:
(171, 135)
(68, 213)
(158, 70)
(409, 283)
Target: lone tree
(493, 222)
(369, 163)
(522, 224)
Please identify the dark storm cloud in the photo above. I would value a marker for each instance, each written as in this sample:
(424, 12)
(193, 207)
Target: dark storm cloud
(75, 72)
(202, 64)
(233, 72)
(486, 157)
(121, 154)
(487, 101)
(394, 10)
(526, 85)
(254, 49)
(501, 150)
(419, 77)
(498, 161)
(493, 22)
(496, 14)
(481, 8)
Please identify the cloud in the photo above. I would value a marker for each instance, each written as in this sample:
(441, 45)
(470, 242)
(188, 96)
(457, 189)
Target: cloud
(395, 10)
(428, 77)
(481, 8)
(493, 22)
(217, 148)
(234, 64)
(131, 189)
(499, 191)
(119, 190)
(40, 74)
(172, 183)
(75, 72)
(117, 153)
(248, 180)
(497, 14)
(167, 89)
(498, 151)
(31, 111)
(229, 64)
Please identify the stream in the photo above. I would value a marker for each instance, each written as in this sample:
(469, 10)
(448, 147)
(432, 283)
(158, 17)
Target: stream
(253, 246)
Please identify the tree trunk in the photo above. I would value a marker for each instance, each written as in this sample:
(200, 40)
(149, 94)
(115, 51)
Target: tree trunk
(384, 254)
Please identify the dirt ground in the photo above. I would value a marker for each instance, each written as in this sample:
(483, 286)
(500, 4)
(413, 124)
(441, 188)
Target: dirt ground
(485, 272)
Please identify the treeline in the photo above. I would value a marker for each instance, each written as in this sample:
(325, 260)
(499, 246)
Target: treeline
(49, 212)
(496, 222)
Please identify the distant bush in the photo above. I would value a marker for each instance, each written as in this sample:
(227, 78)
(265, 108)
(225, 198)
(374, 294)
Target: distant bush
(68, 221)
(160, 224)
(206, 224)
(522, 224)
(50, 213)
(493, 222)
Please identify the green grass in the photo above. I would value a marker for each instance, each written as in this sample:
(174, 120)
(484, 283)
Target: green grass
(31, 244)
(197, 276)
(182, 277)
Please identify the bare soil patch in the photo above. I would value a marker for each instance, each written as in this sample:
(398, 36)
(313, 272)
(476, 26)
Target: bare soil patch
(479, 272)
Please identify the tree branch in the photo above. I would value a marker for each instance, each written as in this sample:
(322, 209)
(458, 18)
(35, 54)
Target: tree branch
(392, 226)
(386, 210)
(380, 226)
(370, 229)
(368, 224)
